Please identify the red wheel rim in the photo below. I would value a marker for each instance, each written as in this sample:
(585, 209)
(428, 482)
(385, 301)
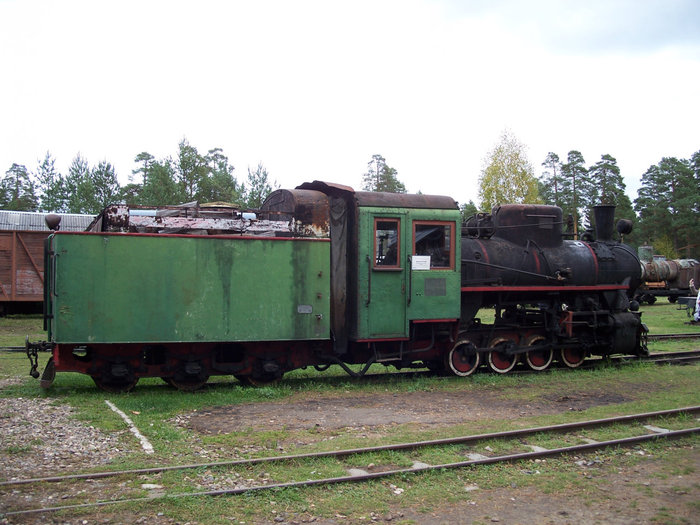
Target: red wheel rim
(462, 360)
(464, 363)
(539, 358)
(500, 361)
(571, 357)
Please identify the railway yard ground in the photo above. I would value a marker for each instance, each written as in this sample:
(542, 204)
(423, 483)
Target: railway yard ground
(70, 429)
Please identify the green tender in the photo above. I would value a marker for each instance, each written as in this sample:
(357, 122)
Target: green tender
(142, 288)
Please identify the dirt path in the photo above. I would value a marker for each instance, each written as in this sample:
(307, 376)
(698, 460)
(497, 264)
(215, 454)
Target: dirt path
(372, 410)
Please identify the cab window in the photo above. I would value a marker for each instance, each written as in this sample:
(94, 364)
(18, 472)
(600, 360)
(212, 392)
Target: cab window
(435, 239)
(386, 243)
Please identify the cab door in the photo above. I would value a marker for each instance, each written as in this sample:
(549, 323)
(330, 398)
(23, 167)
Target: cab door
(383, 277)
(434, 271)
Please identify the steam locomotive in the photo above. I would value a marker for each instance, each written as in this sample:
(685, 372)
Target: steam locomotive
(324, 275)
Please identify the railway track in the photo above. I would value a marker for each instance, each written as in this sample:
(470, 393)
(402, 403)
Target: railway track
(650, 337)
(660, 358)
(653, 433)
(666, 337)
(691, 356)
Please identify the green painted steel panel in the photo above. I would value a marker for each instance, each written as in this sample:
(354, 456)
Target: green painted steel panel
(382, 292)
(435, 293)
(138, 288)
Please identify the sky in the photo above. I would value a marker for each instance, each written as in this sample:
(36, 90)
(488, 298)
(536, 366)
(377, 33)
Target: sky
(313, 89)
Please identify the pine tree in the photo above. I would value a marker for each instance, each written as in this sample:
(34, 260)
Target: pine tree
(258, 187)
(79, 187)
(53, 197)
(668, 202)
(381, 177)
(551, 180)
(17, 190)
(574, 188)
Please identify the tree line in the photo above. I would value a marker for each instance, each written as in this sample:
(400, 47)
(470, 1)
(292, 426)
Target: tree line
(666, 211)
(189, 176)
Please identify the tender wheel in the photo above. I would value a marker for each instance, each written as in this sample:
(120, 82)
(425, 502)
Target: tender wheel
(259, 380)
(571, 358)
(463, 359)
(500, 361)
(538, 359)
(187, 383)
(115, 385)
(189, 376)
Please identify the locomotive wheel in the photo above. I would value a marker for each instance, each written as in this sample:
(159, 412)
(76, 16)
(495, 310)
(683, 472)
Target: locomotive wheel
(538, 359)
(114, 385)
(463, 360)
(501, 362)
(571, 358)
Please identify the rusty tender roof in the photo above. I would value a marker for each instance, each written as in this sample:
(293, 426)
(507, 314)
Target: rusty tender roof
(384, 199)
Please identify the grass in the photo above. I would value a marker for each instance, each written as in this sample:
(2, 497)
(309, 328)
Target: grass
(663, 317)
(15, 328)
(153, 407)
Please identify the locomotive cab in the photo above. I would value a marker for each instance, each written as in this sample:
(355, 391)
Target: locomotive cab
(397, 257)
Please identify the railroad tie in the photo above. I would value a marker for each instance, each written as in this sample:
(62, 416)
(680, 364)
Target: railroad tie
(657, 430)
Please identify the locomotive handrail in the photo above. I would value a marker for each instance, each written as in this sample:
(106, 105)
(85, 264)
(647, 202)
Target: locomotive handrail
(514, 270)
(369, 280)
(410, 280)
(54, 269)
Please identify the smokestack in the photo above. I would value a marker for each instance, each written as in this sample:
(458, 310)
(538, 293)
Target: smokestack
(604, 217)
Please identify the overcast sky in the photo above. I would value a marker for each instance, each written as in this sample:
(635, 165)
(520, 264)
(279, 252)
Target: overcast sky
(312, 89)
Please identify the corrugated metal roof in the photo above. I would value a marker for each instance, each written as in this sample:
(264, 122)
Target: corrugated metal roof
(34, 221)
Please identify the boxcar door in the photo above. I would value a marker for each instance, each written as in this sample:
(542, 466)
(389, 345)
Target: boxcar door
(385, 267)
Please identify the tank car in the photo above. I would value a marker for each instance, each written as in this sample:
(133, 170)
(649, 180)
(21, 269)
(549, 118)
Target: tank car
(662, 277)
(324, 275)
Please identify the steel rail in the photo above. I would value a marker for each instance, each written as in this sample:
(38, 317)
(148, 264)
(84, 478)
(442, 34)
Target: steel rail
(678, 360)
(577, 425)
(669, 356)
(662, 337)
(375, 475)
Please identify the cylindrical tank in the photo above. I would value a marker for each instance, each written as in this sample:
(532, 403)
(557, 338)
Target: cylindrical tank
(660, 270)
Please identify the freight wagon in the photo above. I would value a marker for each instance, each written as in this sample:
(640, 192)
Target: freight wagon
(22, 236)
